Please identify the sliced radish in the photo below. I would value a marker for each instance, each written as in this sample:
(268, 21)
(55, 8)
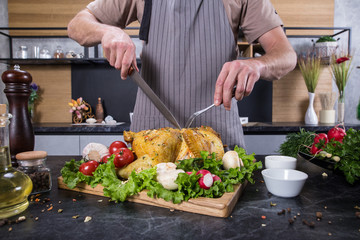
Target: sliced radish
(215, 178)
(189, 173)
(203, 172)
(206, 181)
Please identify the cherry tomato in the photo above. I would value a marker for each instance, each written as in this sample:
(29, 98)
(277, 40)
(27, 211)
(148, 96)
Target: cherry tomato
(87, 168)
(115, 146)
(123, 157)
(105, 158)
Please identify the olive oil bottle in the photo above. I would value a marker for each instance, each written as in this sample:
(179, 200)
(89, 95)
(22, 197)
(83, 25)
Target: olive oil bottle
(15, 186)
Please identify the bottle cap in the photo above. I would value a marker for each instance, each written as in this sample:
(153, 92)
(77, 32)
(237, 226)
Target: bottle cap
(2, 109)
(31, 155)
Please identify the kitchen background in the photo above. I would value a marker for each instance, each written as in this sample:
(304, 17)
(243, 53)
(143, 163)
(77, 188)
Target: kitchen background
(345, 15)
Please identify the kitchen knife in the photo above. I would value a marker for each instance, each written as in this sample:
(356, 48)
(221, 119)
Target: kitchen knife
(135, 76)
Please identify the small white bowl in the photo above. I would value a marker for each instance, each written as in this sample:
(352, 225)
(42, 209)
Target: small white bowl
(91, 120)
(284, 182)
(278, 161)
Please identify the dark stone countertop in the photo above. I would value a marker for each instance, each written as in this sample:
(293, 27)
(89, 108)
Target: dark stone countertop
(252, 128)
(78, 129)
(335, 198)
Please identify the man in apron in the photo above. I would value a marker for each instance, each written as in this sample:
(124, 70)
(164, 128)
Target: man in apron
(189, 55)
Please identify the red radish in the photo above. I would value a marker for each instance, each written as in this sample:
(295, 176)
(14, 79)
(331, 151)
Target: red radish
(206, 181)
(314, 150)
(215, 178)
(189, 173)
(321, 136)
(336, 133)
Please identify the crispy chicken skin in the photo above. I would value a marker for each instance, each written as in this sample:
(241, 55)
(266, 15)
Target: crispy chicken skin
(169, 145)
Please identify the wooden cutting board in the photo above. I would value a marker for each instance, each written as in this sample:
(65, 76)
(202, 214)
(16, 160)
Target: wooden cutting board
(217, 207)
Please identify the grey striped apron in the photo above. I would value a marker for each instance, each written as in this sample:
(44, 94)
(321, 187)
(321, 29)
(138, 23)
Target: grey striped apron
(188, 43)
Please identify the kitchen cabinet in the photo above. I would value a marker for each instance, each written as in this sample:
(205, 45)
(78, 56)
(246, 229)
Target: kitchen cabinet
(73, 145)
(70, 145)
(260, 138)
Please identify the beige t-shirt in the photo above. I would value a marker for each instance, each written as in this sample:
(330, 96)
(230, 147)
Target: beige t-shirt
(255, 17)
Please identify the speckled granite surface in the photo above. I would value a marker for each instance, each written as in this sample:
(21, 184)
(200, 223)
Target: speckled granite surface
(331, 196)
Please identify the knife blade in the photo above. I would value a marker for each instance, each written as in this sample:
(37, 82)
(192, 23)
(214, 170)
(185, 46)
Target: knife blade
(136, 77)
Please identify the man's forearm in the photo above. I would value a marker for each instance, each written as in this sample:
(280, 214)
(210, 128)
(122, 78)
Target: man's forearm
(277, 64)
(280, 58)
(86, 29)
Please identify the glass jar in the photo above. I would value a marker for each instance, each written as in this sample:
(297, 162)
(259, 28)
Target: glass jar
(71, 54)
(59, 52)
(45, 53)
(15, 186)
(33, 164)
(23, 52)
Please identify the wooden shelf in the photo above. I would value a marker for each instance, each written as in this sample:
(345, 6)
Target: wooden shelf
(248, 49)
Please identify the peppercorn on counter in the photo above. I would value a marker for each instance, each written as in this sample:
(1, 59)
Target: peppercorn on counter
(328, 207)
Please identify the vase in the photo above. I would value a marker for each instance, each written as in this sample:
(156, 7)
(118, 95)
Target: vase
(310, 115)
(341, 109)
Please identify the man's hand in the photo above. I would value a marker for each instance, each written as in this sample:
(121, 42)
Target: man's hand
(280, 58)
(119, 50)
(117, 45)
(240, 73)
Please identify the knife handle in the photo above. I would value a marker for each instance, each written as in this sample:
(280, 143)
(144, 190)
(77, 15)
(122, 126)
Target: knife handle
(233, 92)
(131, 69)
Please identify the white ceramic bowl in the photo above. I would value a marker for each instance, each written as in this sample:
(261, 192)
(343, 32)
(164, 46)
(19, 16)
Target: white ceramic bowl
(278, 161)
(284, 182)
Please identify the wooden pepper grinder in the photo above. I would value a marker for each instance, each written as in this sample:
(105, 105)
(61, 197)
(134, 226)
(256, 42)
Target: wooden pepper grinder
(17, 91)
(99, 111)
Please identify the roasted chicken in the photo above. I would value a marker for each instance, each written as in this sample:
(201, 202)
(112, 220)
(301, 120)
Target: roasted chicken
(169, 145)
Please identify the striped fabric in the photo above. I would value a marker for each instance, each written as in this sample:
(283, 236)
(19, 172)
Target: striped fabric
(188, 43)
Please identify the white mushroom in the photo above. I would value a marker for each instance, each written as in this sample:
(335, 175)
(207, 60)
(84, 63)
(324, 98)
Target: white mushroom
(231, 160)
(164, 167)
(167, 174)
(95, 151)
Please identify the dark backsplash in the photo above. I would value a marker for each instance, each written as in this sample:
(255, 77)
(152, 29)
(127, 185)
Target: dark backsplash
(92, 81)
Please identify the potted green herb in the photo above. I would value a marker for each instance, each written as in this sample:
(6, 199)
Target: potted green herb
(325, 46)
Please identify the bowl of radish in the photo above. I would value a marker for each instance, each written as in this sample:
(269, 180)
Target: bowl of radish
(285, 183)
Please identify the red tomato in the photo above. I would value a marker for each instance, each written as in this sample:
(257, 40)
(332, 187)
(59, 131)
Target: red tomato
(115, 146)
(105, 158)
(123, 157)
(87, 168)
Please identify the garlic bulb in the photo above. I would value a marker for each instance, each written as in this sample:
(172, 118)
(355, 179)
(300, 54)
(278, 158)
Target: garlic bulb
(94, 151)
